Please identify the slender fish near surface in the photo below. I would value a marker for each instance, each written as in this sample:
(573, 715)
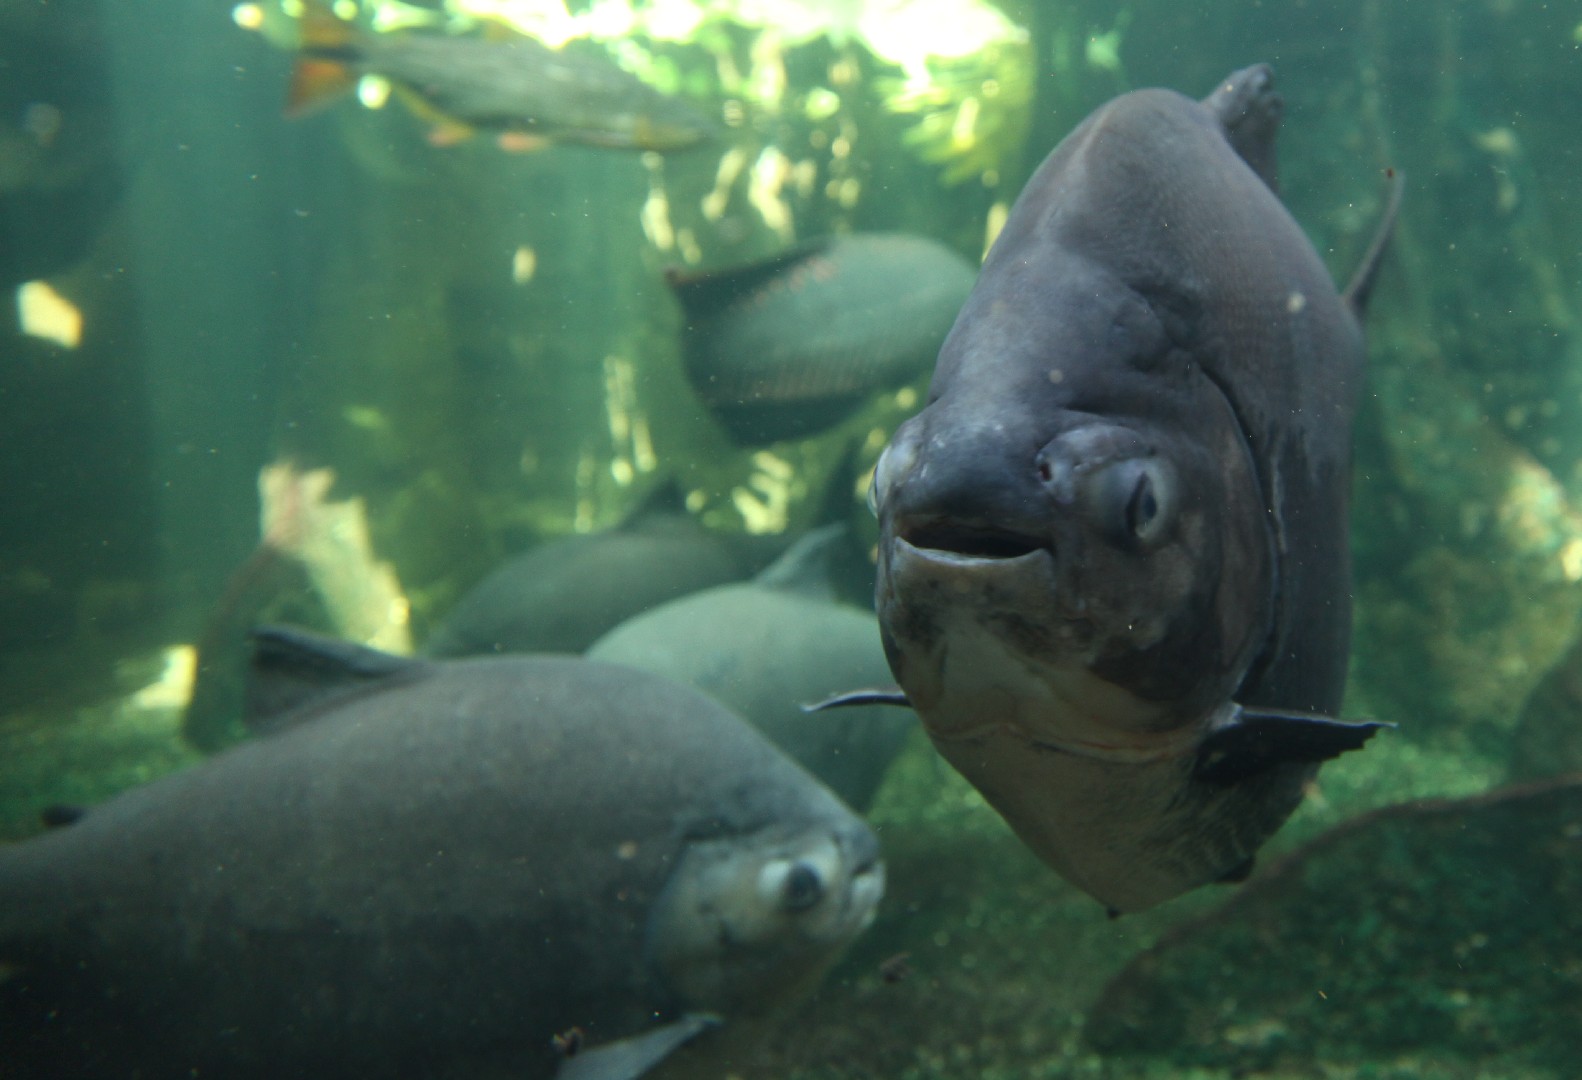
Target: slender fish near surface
(525, 93)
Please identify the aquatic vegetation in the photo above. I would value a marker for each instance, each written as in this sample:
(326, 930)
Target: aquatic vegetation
(330, 538)
(1413, 960)
(971, 125)
(480, 346)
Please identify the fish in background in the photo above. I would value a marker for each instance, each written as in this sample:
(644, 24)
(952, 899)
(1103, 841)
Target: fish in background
(60, 178)
(560, 596)
(426, 868)
(1114, 572)
(526, 93)
(790, 346)
(765, 647)
(314, 565)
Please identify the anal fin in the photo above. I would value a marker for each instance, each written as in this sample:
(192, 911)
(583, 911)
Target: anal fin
(1238, 873)
(1257, 739)
(628, 1059)
(315, 82)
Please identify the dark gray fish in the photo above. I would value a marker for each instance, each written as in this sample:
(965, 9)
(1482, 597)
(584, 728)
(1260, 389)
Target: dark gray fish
(61, 174)
(528, 93)
(560, 596)
(433, 872)
(1113, 567)
(765, 647)
(787, 347)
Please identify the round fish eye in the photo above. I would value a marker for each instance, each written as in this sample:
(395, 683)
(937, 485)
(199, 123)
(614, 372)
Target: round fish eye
(1143, 507)
(1134, 501)
(802, 888)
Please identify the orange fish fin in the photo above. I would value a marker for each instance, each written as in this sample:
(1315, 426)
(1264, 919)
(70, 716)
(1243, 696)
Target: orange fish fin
(495, 28)
(319, 29)
(327, 44)
(443, 129)
(448, 133)
(316, 82)
(522, 142)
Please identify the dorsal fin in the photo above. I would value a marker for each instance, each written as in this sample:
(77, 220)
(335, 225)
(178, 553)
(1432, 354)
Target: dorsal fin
(665, 499)
(329, 50)
(1249, 110)
(294, 675)
(495, 27)
(60, 815)
(805, 568)
(1362, 282)
(704, 292)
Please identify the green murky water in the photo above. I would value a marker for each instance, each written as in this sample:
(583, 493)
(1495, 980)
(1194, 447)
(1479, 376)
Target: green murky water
(402, 362)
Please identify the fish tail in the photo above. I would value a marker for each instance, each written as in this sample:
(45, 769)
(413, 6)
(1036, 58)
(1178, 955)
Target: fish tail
(328, 49)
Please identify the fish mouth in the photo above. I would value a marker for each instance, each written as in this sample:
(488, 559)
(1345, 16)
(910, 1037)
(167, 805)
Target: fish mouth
(970, 540)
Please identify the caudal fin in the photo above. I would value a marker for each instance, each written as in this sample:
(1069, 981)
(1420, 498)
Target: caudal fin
(1361, 286)
(324, 70)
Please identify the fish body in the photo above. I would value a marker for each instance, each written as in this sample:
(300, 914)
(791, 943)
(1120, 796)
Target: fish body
(430, 868)
(791, 345)
(514, 86)
(562, 595)
(1114, 569)
(764, 648)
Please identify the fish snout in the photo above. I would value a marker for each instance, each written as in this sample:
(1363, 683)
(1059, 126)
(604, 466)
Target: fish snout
(859, 848)
(831, 888)
(962, 496)
(896, 462)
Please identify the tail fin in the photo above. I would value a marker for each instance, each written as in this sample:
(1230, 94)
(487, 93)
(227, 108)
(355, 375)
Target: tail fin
(1361, 285)
(328, 48)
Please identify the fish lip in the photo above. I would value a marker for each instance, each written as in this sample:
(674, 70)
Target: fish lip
(961, 540)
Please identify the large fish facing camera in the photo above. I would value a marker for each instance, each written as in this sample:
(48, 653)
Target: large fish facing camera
(1113, 561)
(434, 868)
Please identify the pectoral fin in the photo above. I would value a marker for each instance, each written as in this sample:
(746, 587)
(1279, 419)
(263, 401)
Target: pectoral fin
(873, 695)
(1238, 873)
(1257, 739)
(630, 1058)
(59, 815)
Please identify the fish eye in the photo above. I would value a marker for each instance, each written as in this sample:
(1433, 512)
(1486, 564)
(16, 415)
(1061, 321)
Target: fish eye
(895, 461)
(1142, 509)
(879, 480)
(802, 889)
(1135, 501)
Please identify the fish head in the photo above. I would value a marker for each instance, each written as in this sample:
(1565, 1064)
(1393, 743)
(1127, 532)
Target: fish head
(1073, 540)
(747, 923)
